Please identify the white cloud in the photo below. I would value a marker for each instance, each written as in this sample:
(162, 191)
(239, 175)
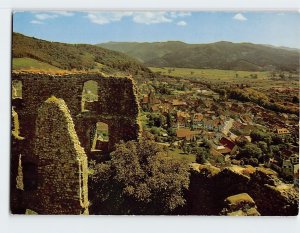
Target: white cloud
(36, 22)
(239, 17)
(45, 16)
(63, 13)
(179, 14)
(105, 18)
(151, 17)
(181, 23)
(41, 17)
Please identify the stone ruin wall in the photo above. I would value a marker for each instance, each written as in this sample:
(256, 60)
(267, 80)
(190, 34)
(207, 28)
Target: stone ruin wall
(62, 169)
(208, 190)
(117, 106)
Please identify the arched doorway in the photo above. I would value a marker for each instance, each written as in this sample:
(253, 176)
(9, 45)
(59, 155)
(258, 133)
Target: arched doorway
(100, 137)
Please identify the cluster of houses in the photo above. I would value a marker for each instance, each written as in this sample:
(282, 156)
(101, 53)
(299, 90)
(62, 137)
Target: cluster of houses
(200, 114)
(290, 168)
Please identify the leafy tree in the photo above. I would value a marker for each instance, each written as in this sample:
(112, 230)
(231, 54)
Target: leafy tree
(155, 130)
(267, 157)
(275, 150)
(156, 119)
(171, 132)
(253, 162)
(258, 135)
(169, 120)
(141, 179)
(202, 154)
(276, 139)
(251, 150)
(263, 146)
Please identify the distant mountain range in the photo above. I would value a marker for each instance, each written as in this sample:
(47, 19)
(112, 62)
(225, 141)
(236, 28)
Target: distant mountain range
(219, 55)
(132, 58)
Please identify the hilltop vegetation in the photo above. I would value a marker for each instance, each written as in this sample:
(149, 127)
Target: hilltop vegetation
(32, 52)
(220, 55)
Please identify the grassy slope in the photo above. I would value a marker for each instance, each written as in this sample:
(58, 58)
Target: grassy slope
(29, 63)
(73, 56)
(178, 154)
(220, 55)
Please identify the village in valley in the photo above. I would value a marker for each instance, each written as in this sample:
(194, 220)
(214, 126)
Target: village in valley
(196, 118)
(154, 125)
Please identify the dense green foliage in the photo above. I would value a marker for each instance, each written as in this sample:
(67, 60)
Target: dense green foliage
(220, 55)
(264, 146)
(75, 56)
(251, 150)
(202, 154)
(249, 94)
(139, 179)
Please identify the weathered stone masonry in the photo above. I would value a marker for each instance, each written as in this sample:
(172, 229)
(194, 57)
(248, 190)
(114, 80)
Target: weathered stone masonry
(62, 169)
(116, 106)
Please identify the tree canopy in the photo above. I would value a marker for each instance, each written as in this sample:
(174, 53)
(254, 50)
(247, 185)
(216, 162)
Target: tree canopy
(140, 179)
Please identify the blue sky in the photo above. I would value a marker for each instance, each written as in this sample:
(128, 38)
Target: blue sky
(274, 28)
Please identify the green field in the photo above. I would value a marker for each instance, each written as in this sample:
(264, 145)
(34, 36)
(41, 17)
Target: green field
(29, 63)
(179, 154)
(212, 74)
(253, 78)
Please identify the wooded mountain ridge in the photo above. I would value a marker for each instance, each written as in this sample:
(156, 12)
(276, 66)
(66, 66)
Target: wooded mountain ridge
(220, 55)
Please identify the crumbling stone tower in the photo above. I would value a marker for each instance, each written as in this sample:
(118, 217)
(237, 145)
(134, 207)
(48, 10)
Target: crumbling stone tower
(35, 137)
(62, 169)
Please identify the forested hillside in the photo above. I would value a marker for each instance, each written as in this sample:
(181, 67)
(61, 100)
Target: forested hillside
(72, 56)
(221, 55)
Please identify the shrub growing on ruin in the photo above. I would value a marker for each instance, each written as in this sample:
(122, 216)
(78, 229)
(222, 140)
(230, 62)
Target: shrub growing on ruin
(140, 179)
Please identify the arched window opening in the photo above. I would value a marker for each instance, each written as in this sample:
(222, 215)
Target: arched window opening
(16, 91)
(101, 137)
(89, 94)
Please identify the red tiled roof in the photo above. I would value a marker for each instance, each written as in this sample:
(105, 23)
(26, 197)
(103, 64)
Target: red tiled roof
(145, 99)
(227, 143)
(155, 108)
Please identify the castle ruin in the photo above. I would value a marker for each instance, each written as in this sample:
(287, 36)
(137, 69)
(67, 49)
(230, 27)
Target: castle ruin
(58, 124)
